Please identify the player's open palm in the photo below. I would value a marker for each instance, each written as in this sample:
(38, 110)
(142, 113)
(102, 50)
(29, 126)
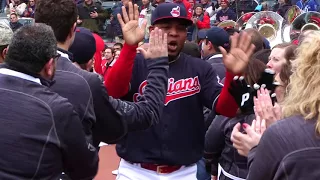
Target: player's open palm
(132, 33)
(240, 52)
(158, 46)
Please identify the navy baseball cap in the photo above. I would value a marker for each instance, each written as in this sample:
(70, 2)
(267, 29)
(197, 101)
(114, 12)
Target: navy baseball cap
(202, 33)
(83, 46)
(170, 11)
(218, 37)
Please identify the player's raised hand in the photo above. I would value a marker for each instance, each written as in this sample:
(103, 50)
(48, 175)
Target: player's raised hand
(158, 46)
(132, 33)
(240, 52)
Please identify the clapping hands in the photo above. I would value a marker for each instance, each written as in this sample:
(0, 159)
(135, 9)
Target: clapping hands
(264, 108)
(245, 142)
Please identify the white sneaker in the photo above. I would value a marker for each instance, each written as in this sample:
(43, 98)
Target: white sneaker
(115, 172)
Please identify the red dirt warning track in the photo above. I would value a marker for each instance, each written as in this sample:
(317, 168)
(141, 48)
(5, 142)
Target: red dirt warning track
(109, 161)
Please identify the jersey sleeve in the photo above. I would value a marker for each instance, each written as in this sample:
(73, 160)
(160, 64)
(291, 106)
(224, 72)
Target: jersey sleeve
(226, 105)
(117, 78)
(146, 112)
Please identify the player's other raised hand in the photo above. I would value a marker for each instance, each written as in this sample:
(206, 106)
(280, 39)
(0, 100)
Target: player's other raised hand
(132, 33)
(157, 45)
(240, 52)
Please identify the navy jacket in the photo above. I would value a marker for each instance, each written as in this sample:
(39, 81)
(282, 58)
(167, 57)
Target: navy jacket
(288, 149)
(228, 14)
(217, 64)
(41, 136)
(88, 95)
(178, 138)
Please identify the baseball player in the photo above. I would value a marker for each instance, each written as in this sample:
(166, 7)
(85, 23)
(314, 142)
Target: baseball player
(170, 149)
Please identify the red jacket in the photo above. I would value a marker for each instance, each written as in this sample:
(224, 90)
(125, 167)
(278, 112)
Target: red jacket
(205, 23)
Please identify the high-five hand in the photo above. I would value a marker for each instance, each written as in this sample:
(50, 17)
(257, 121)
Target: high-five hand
(132, 33)
(158, 46)
(240, 52)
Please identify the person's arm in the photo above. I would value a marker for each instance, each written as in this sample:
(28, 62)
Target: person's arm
(117, 79)
(251, 155)
(226, 105)
(214, 143)
(102, 14)
(80, 158)
(143, 114)
(205, 23)
(97, 63)
(109, 126)
(269, 154)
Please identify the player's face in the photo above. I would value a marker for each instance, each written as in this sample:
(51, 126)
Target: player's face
(177, 35)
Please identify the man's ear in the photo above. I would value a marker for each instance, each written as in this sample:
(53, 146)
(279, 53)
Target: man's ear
(151, 28)
(210, 45)
(89, 65)
(4, 53)
(73, 29)
(49, 68)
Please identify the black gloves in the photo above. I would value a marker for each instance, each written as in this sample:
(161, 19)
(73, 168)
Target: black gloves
(243, 93)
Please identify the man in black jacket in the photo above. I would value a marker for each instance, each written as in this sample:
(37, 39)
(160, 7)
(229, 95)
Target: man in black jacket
(83, 89)
(41, 135)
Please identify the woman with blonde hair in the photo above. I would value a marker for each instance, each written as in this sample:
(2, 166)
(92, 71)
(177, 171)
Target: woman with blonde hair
(290, 149)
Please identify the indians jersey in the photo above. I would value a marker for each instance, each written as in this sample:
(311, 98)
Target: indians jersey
(179, 136)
